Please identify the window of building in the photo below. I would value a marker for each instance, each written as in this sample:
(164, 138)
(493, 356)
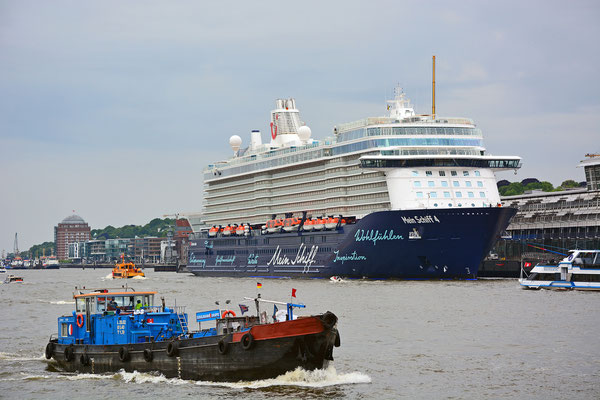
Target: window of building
(442, 173)
(477, 173)
(469, 184)
(453, 173)
(428, 173)
(465, 173)
(471, 194)
(433, 194)
(417, 183)
(415, 173)
(479, 184)
(430, 184)
(447, 194)
(458, 194)
(481, 194)
(455, 184)
(419, 194)
(444, 183)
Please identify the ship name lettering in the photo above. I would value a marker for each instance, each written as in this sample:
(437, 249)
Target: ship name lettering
(348, 257)
(362, 235)
(426, 219)
(252, 259)
(221, 259)
(303, 257)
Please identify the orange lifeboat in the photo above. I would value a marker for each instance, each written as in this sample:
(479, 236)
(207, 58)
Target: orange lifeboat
(331, 223)
(212, 232)
(319, 224)
(308, 225)
(240, 230)
(228, 230)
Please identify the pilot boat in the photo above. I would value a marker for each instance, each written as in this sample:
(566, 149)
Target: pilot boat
(11, 278)
(112, 330)
(580, 270)
(126, 270)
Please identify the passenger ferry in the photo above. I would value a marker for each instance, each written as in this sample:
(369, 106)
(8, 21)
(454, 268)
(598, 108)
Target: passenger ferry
(580, 270)
(400, 196)
(112, 330)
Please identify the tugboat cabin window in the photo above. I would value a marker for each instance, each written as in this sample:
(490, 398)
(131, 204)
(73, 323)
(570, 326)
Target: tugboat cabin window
(80, 304)
(64, 329)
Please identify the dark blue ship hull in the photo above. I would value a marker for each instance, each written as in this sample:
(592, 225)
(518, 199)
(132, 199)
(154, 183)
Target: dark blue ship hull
(411, 244)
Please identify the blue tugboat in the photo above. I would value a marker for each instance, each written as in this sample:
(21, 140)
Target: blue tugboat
(124, 329)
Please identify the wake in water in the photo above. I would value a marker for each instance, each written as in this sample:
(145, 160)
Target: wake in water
(110, 277)
(60, 302)
(299, 377)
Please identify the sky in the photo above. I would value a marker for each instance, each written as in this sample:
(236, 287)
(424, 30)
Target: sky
(111, 109)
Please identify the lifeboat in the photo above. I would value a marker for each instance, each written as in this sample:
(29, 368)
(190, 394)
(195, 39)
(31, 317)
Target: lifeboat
(228, 230)
(319, 224)
(240, 230)
(274, 225)
(308, 225)
(331, 222)
(291, 224)
(212, 232)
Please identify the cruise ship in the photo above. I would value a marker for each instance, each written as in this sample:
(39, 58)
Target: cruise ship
(401, 196)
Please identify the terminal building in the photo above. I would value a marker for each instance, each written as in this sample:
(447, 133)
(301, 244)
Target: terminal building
(558, 221)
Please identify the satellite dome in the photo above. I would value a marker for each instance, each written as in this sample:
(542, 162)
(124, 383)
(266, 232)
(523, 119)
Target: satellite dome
(235, 142)
(304, 133)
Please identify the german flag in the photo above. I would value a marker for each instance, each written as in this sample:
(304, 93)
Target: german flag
(258, 285)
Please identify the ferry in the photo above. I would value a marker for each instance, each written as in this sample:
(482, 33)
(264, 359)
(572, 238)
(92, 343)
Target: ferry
(126, 270)
(580, 270)
(112, 330)
(401, 196)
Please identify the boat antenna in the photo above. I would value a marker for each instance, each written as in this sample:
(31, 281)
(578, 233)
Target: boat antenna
(433, 91)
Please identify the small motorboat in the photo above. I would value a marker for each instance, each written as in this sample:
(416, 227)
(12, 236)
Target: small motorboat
(123, 329)
(12, 278)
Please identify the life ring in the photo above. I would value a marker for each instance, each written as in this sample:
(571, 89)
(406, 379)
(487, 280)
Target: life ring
(172, 349)
(228, 312)
(123, 354)
(148, 355)
(247, 341)
(223, 346)
(49, 350)
(80, 320)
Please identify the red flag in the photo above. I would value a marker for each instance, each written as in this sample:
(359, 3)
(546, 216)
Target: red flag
(293, 292)
(527, 264)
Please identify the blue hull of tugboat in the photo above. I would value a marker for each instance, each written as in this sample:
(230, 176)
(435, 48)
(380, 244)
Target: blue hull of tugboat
(411, 244)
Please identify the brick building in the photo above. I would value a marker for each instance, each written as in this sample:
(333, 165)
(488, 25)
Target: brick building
(72, 229)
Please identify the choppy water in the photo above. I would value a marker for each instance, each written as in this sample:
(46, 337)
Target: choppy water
(413, 339)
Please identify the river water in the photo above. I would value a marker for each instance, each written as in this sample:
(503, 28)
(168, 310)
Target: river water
(400, 339)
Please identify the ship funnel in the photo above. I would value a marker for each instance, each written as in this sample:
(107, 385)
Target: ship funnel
(255, 139)
(235, 142)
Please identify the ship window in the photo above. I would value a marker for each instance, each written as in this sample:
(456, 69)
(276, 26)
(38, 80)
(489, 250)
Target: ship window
(430, 184)
(469, 184)
(447, 194)
(449, 204)
(481, 194)
(479, 184)
(453, 173)
(471, 194)
(80, 302)
(417, 183)
(472, 204)
(444, 183)
(465, 173)
(477, 173)
(435, 204)
(64, 329)
(419, 194)
(455, 183)
(458, 194)
(415, 173)
(460, 204)
(428, 173)
(442, 173)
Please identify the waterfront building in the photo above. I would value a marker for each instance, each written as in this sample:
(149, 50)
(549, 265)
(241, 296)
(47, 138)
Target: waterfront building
(115, 248)
(568, 219)
(72, 229)
(146, 249)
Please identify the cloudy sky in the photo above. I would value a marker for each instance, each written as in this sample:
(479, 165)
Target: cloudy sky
(112, 108)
